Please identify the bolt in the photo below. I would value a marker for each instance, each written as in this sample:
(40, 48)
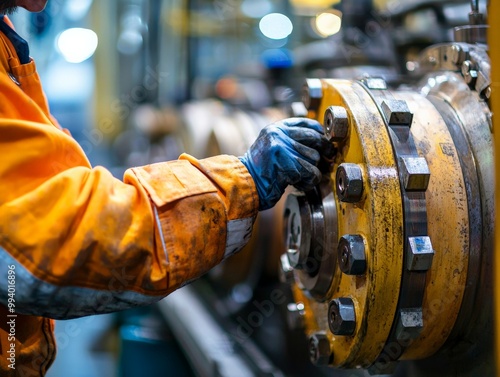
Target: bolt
(396, 112)
(466, 67)
(471, 78)
(420, 253)
(410, 323)
(312, 93)
(457, 55)
(295, 315)
(349, 179)
(341, 316)
(374, 83)
(351, 254)
(415, 173)
(469, 72)
(336, 123)
(319, 349)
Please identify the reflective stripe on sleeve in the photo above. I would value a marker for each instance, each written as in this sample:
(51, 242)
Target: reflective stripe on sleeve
(238, 234)
(36, 297)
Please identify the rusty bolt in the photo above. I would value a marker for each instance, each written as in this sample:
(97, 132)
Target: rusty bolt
(351, 254)
(312, 93)
(349, 179)
(319, 349)
(336, 123)
(341, 316)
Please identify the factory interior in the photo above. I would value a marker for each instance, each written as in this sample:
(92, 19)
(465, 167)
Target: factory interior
(386, 268)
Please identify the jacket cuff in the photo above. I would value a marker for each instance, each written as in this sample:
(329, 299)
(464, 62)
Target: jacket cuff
(204, 211)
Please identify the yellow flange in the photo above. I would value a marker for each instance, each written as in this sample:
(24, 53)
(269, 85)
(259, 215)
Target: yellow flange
(378, 217)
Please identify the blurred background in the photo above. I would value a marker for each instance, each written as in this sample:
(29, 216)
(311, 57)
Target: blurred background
(141, 81)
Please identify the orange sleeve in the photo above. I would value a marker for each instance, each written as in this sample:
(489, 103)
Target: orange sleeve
(83, 242)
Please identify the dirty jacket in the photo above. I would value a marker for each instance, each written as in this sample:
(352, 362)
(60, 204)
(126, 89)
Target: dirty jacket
(75, 241)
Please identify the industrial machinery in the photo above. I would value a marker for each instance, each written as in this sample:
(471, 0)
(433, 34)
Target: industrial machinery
(390, 257)
(387, 264)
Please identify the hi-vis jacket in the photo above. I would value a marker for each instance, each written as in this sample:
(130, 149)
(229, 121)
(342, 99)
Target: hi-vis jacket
(80, 242)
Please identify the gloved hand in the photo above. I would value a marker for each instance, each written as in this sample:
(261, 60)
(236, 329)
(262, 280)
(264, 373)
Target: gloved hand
(286, 153)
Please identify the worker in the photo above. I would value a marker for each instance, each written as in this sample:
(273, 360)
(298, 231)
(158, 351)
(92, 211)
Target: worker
(75, 241)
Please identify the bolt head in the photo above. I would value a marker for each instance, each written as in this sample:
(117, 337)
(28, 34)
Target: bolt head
(397, 113)
(471, 77)
(410, 323)
(312, 93)
(456, 54)
(342, 316)
(349, 183)
(466, 67)
(420, 253)
(319, 349)
(415, 173)
(351, 254)
(374, 83)
(336, 123)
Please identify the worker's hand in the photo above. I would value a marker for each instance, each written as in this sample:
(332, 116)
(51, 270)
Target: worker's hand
(286, 153)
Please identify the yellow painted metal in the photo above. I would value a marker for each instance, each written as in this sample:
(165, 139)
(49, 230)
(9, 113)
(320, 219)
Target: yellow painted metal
(448, 226)
(378, 217)
(494, 32)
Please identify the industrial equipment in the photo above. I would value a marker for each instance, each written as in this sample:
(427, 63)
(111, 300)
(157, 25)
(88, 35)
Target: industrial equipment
(390, 257)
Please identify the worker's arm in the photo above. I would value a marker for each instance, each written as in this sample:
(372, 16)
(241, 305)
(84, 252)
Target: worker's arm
(83, 242)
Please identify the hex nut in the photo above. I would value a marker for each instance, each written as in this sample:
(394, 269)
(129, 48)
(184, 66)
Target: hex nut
(336, 123)
(342, 316)
(312, 93)
(351, 254)
(320, 353)
(396, 112)
(349, 183)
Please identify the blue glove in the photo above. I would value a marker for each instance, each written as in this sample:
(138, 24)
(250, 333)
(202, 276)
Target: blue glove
(286, 153)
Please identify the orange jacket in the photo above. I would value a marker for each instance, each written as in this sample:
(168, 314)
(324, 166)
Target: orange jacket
(81, 242)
